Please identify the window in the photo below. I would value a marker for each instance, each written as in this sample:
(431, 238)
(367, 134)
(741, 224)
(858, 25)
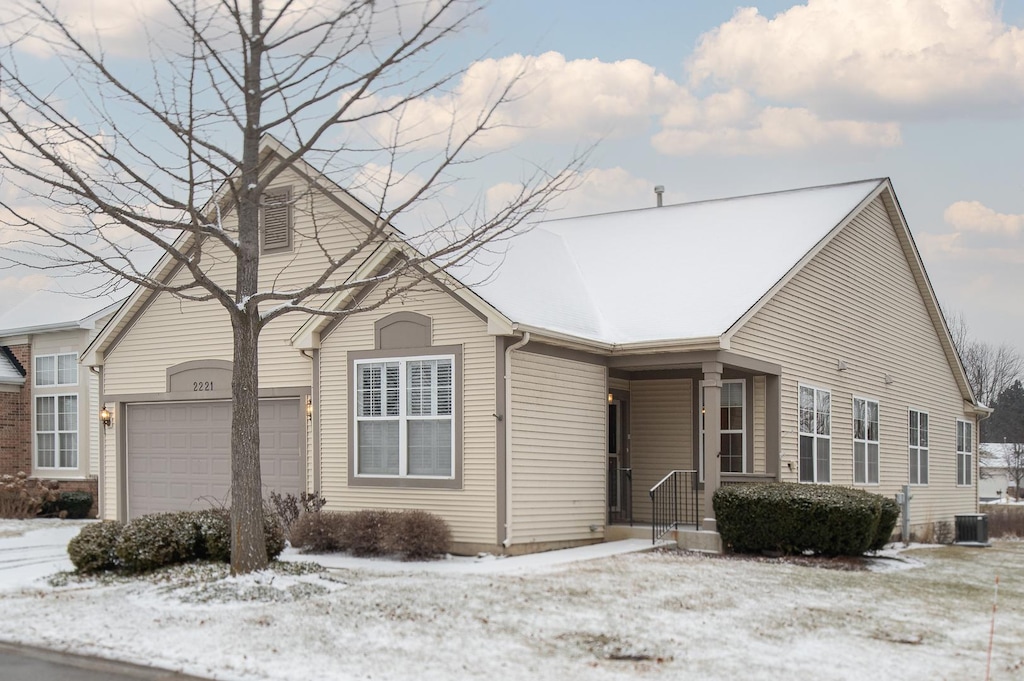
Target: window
(57, 431)
(56, 370)
(964, 452)
(815, 434)
(865, 441)
(918, 447)
(276, 220)
(732, 447)
(404, 417)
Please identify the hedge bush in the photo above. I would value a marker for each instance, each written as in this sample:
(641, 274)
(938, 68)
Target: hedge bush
(319, 532)
(160, 539)
(156, 540)
(417, 535)
(365, 533)
(94, 548)
(75, 505)
(795, 518)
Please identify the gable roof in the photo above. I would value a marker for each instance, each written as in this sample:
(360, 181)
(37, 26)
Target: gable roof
(45, 311)
(645, 275)
(167, 266)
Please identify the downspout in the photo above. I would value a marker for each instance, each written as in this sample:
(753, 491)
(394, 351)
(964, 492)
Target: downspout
(508, 436)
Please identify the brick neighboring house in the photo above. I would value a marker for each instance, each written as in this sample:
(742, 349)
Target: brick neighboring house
(49, 423)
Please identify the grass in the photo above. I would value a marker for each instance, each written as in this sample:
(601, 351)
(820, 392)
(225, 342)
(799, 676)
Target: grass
(1004, 520)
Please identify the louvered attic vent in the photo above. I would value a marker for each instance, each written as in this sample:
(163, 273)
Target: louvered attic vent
(276, 221)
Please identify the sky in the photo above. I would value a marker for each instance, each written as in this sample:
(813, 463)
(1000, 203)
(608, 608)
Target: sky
(715, 99)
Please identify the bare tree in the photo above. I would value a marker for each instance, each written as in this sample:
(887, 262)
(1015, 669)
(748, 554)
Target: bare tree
(171, 160)
(990, 369)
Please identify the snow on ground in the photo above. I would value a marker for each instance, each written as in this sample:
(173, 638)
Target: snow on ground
(33, 548)
(661, 614)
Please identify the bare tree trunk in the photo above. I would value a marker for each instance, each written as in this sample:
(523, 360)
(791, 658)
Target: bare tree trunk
(248, 546)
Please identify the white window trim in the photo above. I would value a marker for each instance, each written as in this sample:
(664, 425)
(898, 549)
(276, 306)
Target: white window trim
(56, 432)
(56, 370)
(919, 449)
(723, 431)
(816, 436)
(866, 442)
(403, 418)
(968, 454)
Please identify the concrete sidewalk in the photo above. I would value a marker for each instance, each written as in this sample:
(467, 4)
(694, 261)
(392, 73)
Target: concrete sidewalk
(26, 663)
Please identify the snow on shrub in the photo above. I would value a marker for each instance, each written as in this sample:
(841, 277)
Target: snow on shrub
(794, 518)
(156, 540)
(75, 504)
(93, 549)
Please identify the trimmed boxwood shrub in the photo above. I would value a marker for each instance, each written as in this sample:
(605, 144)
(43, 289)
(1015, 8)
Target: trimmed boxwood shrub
(795, 518)
(153, 541)
(76, 505)
(93, 549)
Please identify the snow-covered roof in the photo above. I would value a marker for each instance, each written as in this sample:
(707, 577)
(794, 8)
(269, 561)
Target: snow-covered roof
(9, 373)
(47, 310)
(995, 454)
(644, 275)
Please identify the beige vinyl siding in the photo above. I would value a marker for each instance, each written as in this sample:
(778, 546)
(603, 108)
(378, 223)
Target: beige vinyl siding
(172, 330)
(661, 433)
(857, 301)
(760, 424)
(470, 512)
(558, 448)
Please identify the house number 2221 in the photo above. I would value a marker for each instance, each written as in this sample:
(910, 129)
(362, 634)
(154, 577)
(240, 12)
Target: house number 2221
(202, 386)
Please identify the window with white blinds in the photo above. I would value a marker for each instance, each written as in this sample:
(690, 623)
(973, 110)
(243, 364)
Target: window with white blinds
(404, 410)
(57, 431)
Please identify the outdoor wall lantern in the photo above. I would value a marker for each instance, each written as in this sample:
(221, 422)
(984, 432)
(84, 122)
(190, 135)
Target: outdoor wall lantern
(309, 407)
(106, 418)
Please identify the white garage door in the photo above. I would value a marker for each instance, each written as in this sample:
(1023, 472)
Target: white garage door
(179, 453)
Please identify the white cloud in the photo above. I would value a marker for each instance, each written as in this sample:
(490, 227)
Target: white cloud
(725, 128)
(896, 52)
(973, 216)
(597, 190)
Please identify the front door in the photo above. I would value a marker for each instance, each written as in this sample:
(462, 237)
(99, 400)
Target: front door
(619, 472)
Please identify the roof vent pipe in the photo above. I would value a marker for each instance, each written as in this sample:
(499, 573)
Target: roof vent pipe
(658, 191)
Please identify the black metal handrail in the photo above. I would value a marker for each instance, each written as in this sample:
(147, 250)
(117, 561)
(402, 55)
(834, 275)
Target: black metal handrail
(673, 503)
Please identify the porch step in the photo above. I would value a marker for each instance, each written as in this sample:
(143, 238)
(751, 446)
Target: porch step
(687, 537)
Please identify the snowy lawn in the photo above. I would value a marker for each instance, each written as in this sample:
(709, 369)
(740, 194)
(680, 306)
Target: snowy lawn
(922, 615)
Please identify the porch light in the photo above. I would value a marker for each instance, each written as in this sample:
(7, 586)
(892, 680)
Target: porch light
(106, 418)
(309, 407)
(611, 398)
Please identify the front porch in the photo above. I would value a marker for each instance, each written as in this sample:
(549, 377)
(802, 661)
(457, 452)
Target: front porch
(673, 417)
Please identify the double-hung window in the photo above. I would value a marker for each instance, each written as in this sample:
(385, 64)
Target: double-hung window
(865, 441)
(57, 431)
(54, 370)
(403, 417)
(815, 434)
(918, 436)
(964, 452)
(732, 452)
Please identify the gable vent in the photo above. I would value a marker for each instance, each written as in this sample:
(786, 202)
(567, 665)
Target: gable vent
(276, 220)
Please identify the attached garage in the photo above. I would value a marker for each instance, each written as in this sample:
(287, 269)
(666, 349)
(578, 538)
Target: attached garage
(178, 454)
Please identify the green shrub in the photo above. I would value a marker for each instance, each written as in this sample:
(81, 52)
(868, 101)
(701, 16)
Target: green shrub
(794, 518)
(213, 534)
(153, 541)
(319, 532)
(417, 535)
(75, 504)
(365, 533)
(93, 550)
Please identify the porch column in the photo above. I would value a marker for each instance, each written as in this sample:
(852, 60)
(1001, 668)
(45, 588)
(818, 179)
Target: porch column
(712, 438)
